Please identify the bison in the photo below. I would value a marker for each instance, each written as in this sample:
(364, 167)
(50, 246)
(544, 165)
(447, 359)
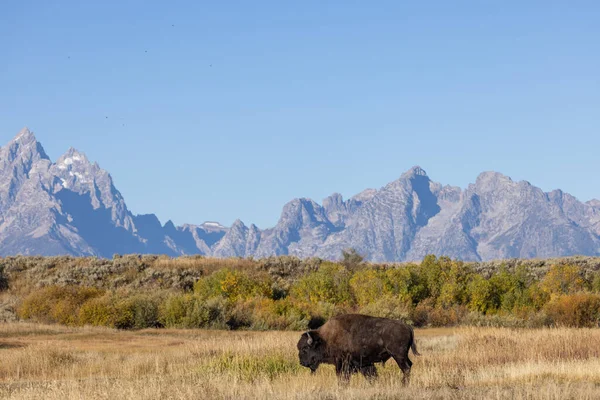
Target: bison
(354, 343)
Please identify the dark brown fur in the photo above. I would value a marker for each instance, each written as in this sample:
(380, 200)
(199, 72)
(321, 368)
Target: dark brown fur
(354, 343)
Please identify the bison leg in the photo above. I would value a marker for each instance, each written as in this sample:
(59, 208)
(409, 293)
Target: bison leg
(369, 372)
(343, 371)
(405, 364)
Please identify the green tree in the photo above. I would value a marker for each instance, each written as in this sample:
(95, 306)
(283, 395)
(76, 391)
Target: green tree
(453, 290)
(400, 281)
(482, 295)
(511, 288)
(369, 285)
(330, 283)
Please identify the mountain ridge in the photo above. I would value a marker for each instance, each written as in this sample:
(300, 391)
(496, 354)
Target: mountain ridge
(72, 207)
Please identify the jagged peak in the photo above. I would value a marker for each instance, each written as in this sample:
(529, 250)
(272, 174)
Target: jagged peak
(490, 179)
(25, 144)
(297, 205)
(303, 201)
(333, 200)
(593, 203)
(169, 225)
(414, 171)
(238, 224)
(24, 135)
(73, 156)
(336, 195)
(493, 175)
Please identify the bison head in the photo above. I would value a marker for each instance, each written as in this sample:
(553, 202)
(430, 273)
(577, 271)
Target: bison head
(311, 350)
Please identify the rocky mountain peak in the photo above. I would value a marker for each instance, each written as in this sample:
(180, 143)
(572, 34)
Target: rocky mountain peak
(334, 200)
(593, 202)
(23, 147)
(413, 172)
(238, 224)
(302, 211)
(490, 180)
(24, 136)
(73, 157)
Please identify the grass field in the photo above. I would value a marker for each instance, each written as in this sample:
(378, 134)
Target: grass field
(55, 362)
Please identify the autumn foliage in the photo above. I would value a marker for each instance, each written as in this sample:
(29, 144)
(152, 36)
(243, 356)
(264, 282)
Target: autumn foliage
(287, 293)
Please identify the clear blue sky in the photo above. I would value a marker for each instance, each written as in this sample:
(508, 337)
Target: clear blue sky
(232, 109)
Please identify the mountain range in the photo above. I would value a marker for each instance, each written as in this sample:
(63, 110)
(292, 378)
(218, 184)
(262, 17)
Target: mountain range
(71, 206)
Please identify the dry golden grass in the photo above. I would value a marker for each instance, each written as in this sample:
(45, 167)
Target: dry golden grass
(205, 264)
(55, 362)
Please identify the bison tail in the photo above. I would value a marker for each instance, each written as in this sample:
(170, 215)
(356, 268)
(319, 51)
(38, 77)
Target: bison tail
(413, 343)
(413, 347)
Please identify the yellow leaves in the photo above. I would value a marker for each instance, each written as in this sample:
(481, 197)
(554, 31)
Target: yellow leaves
(330, 284)
(481, 294)
(234, 285)
(367, 286)
(563, 279)
(230, 285)
(435, 292)
(58, 304)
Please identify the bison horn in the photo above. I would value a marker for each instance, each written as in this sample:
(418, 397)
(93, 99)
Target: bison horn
(310, 340)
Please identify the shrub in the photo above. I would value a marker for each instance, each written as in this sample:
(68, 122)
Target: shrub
(330, 284)
(368, 285)
(56, 304)
(595, 286)
(421, 313)
(264, 314)
(450, 316)
(389, 307)
(135, 312)
(191, 311)
(427, 314)
(114, 311)
(173, 311)
(96, 312)
(145, 311)
(3, 279)
(234, 285)
(575, 310)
